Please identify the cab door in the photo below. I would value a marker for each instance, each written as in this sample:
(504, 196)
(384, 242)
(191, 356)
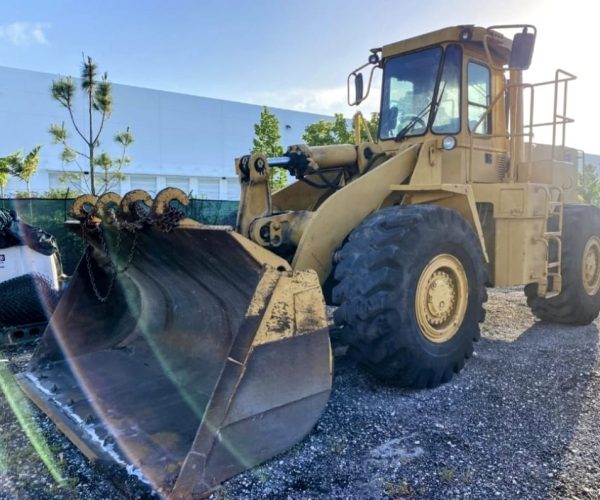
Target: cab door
(487, 162)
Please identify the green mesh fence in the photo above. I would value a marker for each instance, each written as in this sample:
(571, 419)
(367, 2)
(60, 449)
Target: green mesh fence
(212, 211)
(50, 215)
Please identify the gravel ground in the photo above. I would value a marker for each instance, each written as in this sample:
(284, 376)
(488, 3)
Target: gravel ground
(520, 421)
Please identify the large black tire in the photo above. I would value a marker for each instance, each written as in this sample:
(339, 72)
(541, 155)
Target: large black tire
(378, 270)
(26, 299)
(573, 305)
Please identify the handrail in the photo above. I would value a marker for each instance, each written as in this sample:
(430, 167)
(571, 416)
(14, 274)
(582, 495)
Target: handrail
(506, 135)
(561, 77)
(568, 77)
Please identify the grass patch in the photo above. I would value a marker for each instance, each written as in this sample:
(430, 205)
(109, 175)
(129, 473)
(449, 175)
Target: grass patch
(446, 474)
(22, 412)
(398, 490)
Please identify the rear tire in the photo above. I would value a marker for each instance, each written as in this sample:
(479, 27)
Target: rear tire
(578, 303)
(411, 293)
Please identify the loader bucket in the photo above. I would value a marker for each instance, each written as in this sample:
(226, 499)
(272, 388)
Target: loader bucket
(183, 352)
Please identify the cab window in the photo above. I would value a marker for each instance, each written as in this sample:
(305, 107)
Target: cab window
(409, 82)
(479, 97)
(447, 116)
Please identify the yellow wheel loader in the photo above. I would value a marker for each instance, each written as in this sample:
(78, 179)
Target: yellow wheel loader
(188, 352)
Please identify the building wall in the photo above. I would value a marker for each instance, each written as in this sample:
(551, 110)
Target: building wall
(180, 140)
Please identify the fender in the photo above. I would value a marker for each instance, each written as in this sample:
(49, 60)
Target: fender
(347, 208)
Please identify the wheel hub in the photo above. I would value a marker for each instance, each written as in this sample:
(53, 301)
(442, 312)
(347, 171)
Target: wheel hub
(590, 266)
(441, 299)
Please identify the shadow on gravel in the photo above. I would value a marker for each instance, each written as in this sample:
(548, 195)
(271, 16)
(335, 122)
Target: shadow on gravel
(536, 389)
(500, 429)
(520, 421)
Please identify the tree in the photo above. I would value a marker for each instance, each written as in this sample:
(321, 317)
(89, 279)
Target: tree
(4, 174)
(98, 103)
(21, 166)
(589, 185)
(267, 141)
(324, 132)
(373, 126)
(60, 194)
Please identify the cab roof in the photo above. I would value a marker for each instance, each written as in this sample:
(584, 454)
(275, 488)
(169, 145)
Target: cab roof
(465, 34)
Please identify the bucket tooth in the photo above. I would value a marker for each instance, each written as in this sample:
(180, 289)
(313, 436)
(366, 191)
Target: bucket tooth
(83, 207)
(135, 204)
(208, 357)
(107, 202)
(163, 199)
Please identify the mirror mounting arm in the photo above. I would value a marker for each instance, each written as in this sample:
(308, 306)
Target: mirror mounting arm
(374, 62)
(525, 40)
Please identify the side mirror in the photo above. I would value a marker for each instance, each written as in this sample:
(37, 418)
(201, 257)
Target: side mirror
(357, 76)
(522, 50)
(358, 87)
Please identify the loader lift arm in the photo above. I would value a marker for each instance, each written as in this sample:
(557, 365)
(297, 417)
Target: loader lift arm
(323, 168)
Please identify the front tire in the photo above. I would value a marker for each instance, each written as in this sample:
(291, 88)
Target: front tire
(411, 293)
(578, 302)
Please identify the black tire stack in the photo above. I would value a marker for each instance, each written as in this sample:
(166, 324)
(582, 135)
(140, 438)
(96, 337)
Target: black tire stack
(26, 299)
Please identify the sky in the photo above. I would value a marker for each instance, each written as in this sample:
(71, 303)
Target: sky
(288, 53)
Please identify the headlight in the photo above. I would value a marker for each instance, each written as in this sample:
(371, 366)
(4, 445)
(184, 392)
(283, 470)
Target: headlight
(449, 142)
(465, 34)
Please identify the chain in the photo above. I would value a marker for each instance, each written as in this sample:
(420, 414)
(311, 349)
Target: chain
(165, 222)
(88, 261)
(99, 296)
(168, 220)
(114, 270)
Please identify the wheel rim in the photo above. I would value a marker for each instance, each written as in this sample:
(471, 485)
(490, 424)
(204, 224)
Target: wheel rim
(590, 266)
(441, 299)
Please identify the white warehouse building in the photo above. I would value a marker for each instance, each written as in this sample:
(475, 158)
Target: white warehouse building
(181, 140)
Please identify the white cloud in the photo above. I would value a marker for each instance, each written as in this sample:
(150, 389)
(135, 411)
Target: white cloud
(22, 34)
(326, 101)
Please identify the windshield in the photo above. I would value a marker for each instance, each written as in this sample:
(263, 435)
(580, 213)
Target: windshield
(408, 86)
